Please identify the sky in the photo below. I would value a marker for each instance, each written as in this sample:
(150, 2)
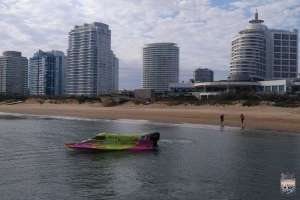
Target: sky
(203, 29)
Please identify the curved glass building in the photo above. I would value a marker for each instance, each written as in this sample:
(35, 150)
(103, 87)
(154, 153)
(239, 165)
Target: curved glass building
(259, 53)
(248, 53)
(160, 66)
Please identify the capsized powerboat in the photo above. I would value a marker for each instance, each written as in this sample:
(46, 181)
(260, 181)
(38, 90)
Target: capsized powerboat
(117, 142)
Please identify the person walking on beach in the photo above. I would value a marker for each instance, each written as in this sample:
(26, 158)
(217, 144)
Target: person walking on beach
(242, 117)
(222, 120)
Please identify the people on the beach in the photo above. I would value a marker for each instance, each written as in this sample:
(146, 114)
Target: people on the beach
(222, 120)
(242, 117)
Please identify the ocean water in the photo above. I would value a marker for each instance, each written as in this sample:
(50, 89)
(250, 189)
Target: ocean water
(193, 162)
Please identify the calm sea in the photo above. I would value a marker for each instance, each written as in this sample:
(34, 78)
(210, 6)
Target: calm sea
(193, 162)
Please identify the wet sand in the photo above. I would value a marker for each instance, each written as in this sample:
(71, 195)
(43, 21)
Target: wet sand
(257, 117)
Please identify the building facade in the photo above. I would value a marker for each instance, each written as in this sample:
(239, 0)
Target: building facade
(284, 58)
(203, 75)
(89, 69)
(279, 87)
(60, 67)
(115, 73)
(259, 53)
(46, 73)
(13, 74)
(160, 66)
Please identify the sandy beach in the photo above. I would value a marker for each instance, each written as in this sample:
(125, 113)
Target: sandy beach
(258, 117)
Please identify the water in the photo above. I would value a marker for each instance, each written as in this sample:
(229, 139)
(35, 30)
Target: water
(193, 162)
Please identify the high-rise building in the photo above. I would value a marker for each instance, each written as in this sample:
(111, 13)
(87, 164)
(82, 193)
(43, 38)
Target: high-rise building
(284, 58)
(13, 74)
(160, 66)
(203, 75)
(259, 53)
(89, 69)
(46, 73)
(115, 73)
(60, 67)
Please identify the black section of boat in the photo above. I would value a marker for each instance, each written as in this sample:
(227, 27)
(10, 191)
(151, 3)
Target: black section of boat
(154, 137)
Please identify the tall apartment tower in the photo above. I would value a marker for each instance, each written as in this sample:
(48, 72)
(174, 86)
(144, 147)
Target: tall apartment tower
(203, 75)
(60, 67)
(89, 68)
(46, 73)
(13, 74)
(284, 58)
(160, 66)
(259, 53)
(115, 73)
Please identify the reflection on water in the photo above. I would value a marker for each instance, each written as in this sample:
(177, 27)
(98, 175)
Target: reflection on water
(193, 162)
(288, 183)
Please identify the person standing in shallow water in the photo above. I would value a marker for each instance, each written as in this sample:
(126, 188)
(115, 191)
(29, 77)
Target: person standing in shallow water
(242, 116)
(222, 120)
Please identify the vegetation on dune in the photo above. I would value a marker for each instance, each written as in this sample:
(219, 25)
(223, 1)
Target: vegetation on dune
(113, 100)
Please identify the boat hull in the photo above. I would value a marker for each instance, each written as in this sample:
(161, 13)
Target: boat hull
(114, 142)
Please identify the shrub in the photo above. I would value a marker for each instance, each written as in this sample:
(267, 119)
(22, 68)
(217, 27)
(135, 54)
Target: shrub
(251, 103)
(41, 101)
(108, 102)
(288, 104)
(173, 103)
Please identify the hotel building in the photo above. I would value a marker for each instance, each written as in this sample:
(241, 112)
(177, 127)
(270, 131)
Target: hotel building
(203, 75)
(13, 74)
(90, 67)
(160, 66)
(46, 73)
(259, 53)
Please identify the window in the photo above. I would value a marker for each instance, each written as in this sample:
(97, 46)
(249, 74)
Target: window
(285, 49)
(285, 75)
(293, 56)
(293, 75)
(293, 69)
(285, 56)
(276, 74)
(277, 55)
(285, 62)
(268, 88)
(285, 68)
(277, 62)
(293, 62)
(274, 88)
(285, 43)
(293, 37)
(281, 88)
(277, 36)
(293, 43)
(276, 68)
(285, 37)
(277, 49)
(293, 50)
(277, 42)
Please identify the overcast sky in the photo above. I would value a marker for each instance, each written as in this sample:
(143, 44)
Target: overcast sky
(203, 29)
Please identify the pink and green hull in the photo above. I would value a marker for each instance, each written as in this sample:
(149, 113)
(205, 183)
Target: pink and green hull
(118, 142)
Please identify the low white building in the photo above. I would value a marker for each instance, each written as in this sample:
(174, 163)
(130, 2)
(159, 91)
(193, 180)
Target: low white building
(275, 86)
(181, 87)
(207, 89)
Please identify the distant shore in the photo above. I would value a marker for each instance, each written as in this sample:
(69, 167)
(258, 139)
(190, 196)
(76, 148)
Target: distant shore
(257, 117)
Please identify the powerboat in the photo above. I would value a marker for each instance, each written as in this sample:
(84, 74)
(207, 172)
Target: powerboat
(118, 142)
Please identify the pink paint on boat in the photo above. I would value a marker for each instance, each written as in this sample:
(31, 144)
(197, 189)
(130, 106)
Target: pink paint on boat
(118, 142)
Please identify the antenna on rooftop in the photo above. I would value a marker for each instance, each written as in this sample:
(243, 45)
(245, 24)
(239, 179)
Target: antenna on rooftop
(256, 20)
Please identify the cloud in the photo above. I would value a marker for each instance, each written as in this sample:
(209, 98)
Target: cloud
(203, 29)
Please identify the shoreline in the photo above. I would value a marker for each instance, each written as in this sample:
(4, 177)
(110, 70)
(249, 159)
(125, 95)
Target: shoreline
(257, 117)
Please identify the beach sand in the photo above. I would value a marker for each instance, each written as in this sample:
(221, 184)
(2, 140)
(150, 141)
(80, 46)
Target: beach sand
(257, 117)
